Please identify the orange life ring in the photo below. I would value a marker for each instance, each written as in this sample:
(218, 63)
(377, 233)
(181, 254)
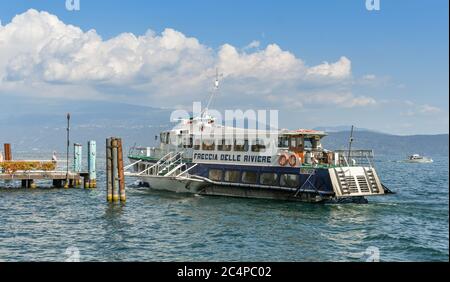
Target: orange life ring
(293, 160)
(283, 160)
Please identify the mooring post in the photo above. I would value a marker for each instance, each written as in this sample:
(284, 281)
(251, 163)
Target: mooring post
(121, 174)
(115, 171)
(109, 173)
(77, 161)
(8, 154)
(92, 148)
(57, 183)
(67, 185)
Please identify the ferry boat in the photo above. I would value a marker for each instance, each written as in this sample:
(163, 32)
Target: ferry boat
(416, 158)
(203, 157)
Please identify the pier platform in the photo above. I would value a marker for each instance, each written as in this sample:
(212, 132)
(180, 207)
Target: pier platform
(42, 175)
(59, 179)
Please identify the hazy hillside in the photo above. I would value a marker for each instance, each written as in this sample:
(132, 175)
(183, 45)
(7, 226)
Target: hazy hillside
(386, 144)
(43, 127)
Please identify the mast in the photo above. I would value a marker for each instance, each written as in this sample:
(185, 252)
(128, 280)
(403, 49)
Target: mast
(350, 144)
(213, 93)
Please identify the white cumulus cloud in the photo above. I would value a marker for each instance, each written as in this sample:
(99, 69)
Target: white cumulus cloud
(38, 51)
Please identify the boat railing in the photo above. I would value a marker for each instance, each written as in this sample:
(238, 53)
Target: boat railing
(157, 164)
(132, 164)
(166, 165)
(143, 152)
(355, 158)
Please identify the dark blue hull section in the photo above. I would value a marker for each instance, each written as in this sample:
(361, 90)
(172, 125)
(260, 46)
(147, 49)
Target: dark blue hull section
(317, 180)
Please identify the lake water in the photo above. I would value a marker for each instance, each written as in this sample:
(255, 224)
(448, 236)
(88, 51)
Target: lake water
(66, 224)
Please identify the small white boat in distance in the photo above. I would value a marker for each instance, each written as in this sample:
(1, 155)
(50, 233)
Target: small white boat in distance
(416, 158)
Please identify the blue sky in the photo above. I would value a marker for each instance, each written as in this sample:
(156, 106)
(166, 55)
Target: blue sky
(399, 55)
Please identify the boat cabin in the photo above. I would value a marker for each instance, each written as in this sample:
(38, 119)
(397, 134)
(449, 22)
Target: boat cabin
(306, 145)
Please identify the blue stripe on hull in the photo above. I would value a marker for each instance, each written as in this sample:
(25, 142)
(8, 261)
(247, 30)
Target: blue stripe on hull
(320, 180)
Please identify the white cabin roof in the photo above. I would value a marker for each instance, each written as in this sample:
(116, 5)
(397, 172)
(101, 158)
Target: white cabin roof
(206, 126)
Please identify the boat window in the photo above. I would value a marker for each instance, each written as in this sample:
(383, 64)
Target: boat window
(293, 142)
(208, 145)
(290, 180)
(258, 146)
(296, 143)
(268, 178)
(232, 176)
(249, 177)
(308, 143)
(187, 141)
(315, 143)
(241, 145)
(224, 145)
(162, 137)
(215, 174)
(283, 142)
(300, 145)
(167, 138)
(197, 144)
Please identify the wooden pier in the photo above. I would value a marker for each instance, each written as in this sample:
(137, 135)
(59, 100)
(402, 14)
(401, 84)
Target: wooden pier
(58, 178)
(30, 171)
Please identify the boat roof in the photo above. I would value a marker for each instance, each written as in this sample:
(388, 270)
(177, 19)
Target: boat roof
(211, 126)
(303, 132)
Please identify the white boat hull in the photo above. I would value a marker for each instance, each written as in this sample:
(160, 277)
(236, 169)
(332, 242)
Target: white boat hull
(420, 161)
(172, 184)
(189, 186)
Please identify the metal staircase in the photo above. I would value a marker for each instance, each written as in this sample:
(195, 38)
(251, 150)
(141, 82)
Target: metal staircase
(355, 181)
(372, 180)
(342, 180)
(166, 166)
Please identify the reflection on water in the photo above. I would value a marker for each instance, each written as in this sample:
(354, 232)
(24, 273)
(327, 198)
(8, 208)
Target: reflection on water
(161, 226)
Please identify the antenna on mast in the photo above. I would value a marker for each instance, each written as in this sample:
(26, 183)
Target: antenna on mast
(216, 82)
(214, 90)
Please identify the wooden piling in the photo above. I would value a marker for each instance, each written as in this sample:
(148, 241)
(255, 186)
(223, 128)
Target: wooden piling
(8, 153)
(86, 182)
(57, 183)
(120, 169)
(114, 170)
(109, 189)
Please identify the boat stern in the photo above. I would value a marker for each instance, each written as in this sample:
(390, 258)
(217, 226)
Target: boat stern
(356, 181)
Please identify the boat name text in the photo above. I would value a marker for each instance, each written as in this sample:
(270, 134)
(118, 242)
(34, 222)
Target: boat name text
(232, 158)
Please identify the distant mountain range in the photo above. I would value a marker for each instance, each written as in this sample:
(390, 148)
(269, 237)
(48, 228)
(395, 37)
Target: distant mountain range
(29, 126)
(387, 144)
(340, 128)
